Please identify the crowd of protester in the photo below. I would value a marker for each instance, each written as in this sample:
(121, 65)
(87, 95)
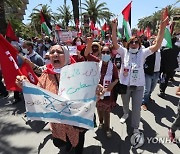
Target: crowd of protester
(136, 65)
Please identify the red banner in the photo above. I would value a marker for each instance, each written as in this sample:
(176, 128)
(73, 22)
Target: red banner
(10, 69)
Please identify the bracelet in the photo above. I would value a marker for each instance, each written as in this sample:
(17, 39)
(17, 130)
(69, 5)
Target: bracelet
(35, 68)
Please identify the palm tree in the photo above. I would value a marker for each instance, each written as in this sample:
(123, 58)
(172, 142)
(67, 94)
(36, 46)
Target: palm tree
(153, 20)
(10, 3)
(75, 4)
(35, 17)
(96, 12)
(64, 15)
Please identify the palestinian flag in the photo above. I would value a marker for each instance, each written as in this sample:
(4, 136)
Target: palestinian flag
(45, 25)
(127, 21)
(167, 35)
(119, 34)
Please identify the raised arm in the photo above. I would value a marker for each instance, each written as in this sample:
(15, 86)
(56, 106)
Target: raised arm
(114, 36)
(88, 47)
(160, 36)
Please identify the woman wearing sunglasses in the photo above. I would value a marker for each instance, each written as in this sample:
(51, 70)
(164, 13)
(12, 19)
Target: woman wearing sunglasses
(132, 71)
(108, 78)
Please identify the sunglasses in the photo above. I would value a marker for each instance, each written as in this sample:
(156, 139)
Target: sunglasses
(105, 52)
(59, 52)
(134, 42)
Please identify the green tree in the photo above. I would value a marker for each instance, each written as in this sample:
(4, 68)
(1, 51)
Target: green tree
(75, 5)
(64, 15)
(13, 4)
(153, 20)
(96, 11)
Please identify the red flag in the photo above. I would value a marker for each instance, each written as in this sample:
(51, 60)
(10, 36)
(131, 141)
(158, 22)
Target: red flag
(57, 27)
(105, 27)
(91, 25)
(127, 13)
(81, 47)
(166, 14)
(10, 33)
(80, 32)
(72, 60)
(42, 18)
(10, 69)
(148, 32)
(140, 32)
(29, 73)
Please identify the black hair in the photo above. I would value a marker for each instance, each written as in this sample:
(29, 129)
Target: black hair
(74, 41)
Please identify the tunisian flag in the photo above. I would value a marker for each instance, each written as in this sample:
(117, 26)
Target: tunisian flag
(9, 67)
(10, 33)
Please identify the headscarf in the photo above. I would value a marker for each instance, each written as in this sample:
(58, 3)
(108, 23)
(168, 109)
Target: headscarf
(66, 55)
(50, 67)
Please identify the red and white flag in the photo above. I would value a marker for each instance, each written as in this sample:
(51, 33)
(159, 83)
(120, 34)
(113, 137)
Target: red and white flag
(9, 67)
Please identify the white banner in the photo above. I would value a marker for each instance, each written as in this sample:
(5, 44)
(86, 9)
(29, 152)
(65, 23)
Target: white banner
(72, 50)
(75, 106)
(66, 35)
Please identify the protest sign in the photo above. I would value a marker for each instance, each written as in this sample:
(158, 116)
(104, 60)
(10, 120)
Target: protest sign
(72, 50)
(75, 104)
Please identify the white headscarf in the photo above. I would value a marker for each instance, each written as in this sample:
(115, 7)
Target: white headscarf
(66, 55)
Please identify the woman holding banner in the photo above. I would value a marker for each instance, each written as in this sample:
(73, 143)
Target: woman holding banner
(63, 135)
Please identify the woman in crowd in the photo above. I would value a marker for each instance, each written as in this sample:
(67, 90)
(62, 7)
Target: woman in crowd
(63, 135)
(132, 72)
(109, 78)
(79, 43)
(96, 49)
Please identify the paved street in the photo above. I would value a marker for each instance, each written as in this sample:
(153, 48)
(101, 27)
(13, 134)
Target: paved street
(18, 138)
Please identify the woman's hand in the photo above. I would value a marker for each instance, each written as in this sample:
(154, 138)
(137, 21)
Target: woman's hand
(99, 91)
(164, 18)
(88, 47)
(79, 54)
(20, 79)
(114, 23)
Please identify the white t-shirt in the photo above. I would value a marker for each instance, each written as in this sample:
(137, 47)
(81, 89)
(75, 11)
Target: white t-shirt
(157, 61)
(132, 71)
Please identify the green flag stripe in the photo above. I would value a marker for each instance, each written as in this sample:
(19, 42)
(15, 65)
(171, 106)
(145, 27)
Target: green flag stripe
(45, 28)
(167, 36)
(126, 30)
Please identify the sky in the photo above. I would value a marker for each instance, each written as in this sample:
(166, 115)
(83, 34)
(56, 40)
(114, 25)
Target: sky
(140, 8)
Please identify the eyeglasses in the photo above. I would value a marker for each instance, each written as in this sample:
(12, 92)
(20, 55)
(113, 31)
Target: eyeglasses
(59, 52)
(132, 42)
(106, 52)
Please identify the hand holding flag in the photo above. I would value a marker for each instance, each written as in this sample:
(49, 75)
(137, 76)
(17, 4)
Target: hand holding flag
(165, 25)
(114, 23)
(164, 18)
